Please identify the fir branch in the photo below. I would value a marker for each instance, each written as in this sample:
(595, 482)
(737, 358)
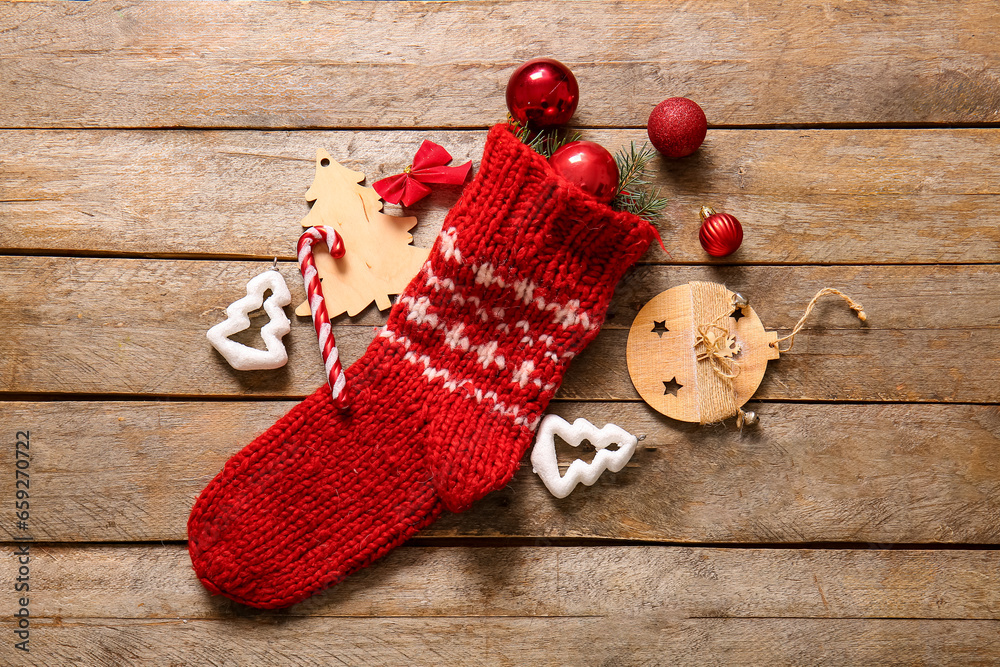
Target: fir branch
(633, 166)
(545, 141)
(633, 196)
(537, 142)
(556, 139)
(644, 204)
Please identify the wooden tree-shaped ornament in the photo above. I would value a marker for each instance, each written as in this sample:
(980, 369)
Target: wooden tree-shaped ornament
(378, 258)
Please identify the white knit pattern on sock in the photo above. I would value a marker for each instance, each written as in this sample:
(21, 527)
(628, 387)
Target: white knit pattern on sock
(453, 383)
(566, 315)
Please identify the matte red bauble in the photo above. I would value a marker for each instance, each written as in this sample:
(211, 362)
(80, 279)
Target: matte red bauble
(589, 166)
(542, 92)
(721, 234)
(677, 127)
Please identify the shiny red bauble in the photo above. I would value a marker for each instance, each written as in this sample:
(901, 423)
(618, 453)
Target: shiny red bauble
(721, 234)
(589, 166)
(542, 92)
(677, 127)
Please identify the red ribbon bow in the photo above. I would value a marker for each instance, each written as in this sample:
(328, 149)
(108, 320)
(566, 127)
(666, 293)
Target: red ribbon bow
(428, 167)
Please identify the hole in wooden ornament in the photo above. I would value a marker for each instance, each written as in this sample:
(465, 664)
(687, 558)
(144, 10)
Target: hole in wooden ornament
(324, 163)
(660, 328)
(737, 314)
(672, 387)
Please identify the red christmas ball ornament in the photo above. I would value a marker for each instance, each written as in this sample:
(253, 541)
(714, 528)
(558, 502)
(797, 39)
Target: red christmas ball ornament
(589, 166)
(677, 127)
(542, 92)
(721, 234)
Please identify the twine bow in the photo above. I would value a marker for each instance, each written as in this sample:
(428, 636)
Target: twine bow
(716, 348)
(428, 167)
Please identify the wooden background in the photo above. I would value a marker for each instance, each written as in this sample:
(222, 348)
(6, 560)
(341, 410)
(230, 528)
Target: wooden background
(153, 158)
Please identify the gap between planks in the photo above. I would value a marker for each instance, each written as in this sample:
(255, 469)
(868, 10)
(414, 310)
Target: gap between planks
(900, 475)
(519, 542)
(985, 125)
(287, 260)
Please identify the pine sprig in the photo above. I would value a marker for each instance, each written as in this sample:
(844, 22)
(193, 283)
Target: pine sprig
(556, 139)
(633, 194)
(545, 141)
(644, 204)
(633, 166)
(522, 132)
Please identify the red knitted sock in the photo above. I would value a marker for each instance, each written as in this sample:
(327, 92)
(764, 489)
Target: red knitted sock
(445, 400)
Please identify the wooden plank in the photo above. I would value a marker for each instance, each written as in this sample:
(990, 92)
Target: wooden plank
(157, 582)
(462, 605)
(513, 641)
(319, 64)
(119, 326)
(809, 196)
(876, 474)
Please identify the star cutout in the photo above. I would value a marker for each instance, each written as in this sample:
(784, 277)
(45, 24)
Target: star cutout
(660, 328)
(737, 314)
(671, 387)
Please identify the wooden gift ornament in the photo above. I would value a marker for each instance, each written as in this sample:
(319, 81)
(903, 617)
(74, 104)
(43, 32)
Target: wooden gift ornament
(378, 259)
(698, 352)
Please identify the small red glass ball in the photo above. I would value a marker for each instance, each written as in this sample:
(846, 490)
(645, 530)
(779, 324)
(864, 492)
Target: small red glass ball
(721, 234)
(677, 127)
(589, 166)
(542, 92)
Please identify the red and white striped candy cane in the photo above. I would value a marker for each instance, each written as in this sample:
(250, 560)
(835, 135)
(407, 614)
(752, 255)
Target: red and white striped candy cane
(317, 304)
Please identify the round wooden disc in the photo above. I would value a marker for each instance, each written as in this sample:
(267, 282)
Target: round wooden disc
(662, 360)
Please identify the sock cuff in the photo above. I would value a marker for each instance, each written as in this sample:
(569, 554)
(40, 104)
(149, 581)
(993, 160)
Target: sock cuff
(523, 220)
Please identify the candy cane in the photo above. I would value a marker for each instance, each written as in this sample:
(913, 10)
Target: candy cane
(317, 304)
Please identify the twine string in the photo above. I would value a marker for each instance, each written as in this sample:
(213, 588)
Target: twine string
(854, 305)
